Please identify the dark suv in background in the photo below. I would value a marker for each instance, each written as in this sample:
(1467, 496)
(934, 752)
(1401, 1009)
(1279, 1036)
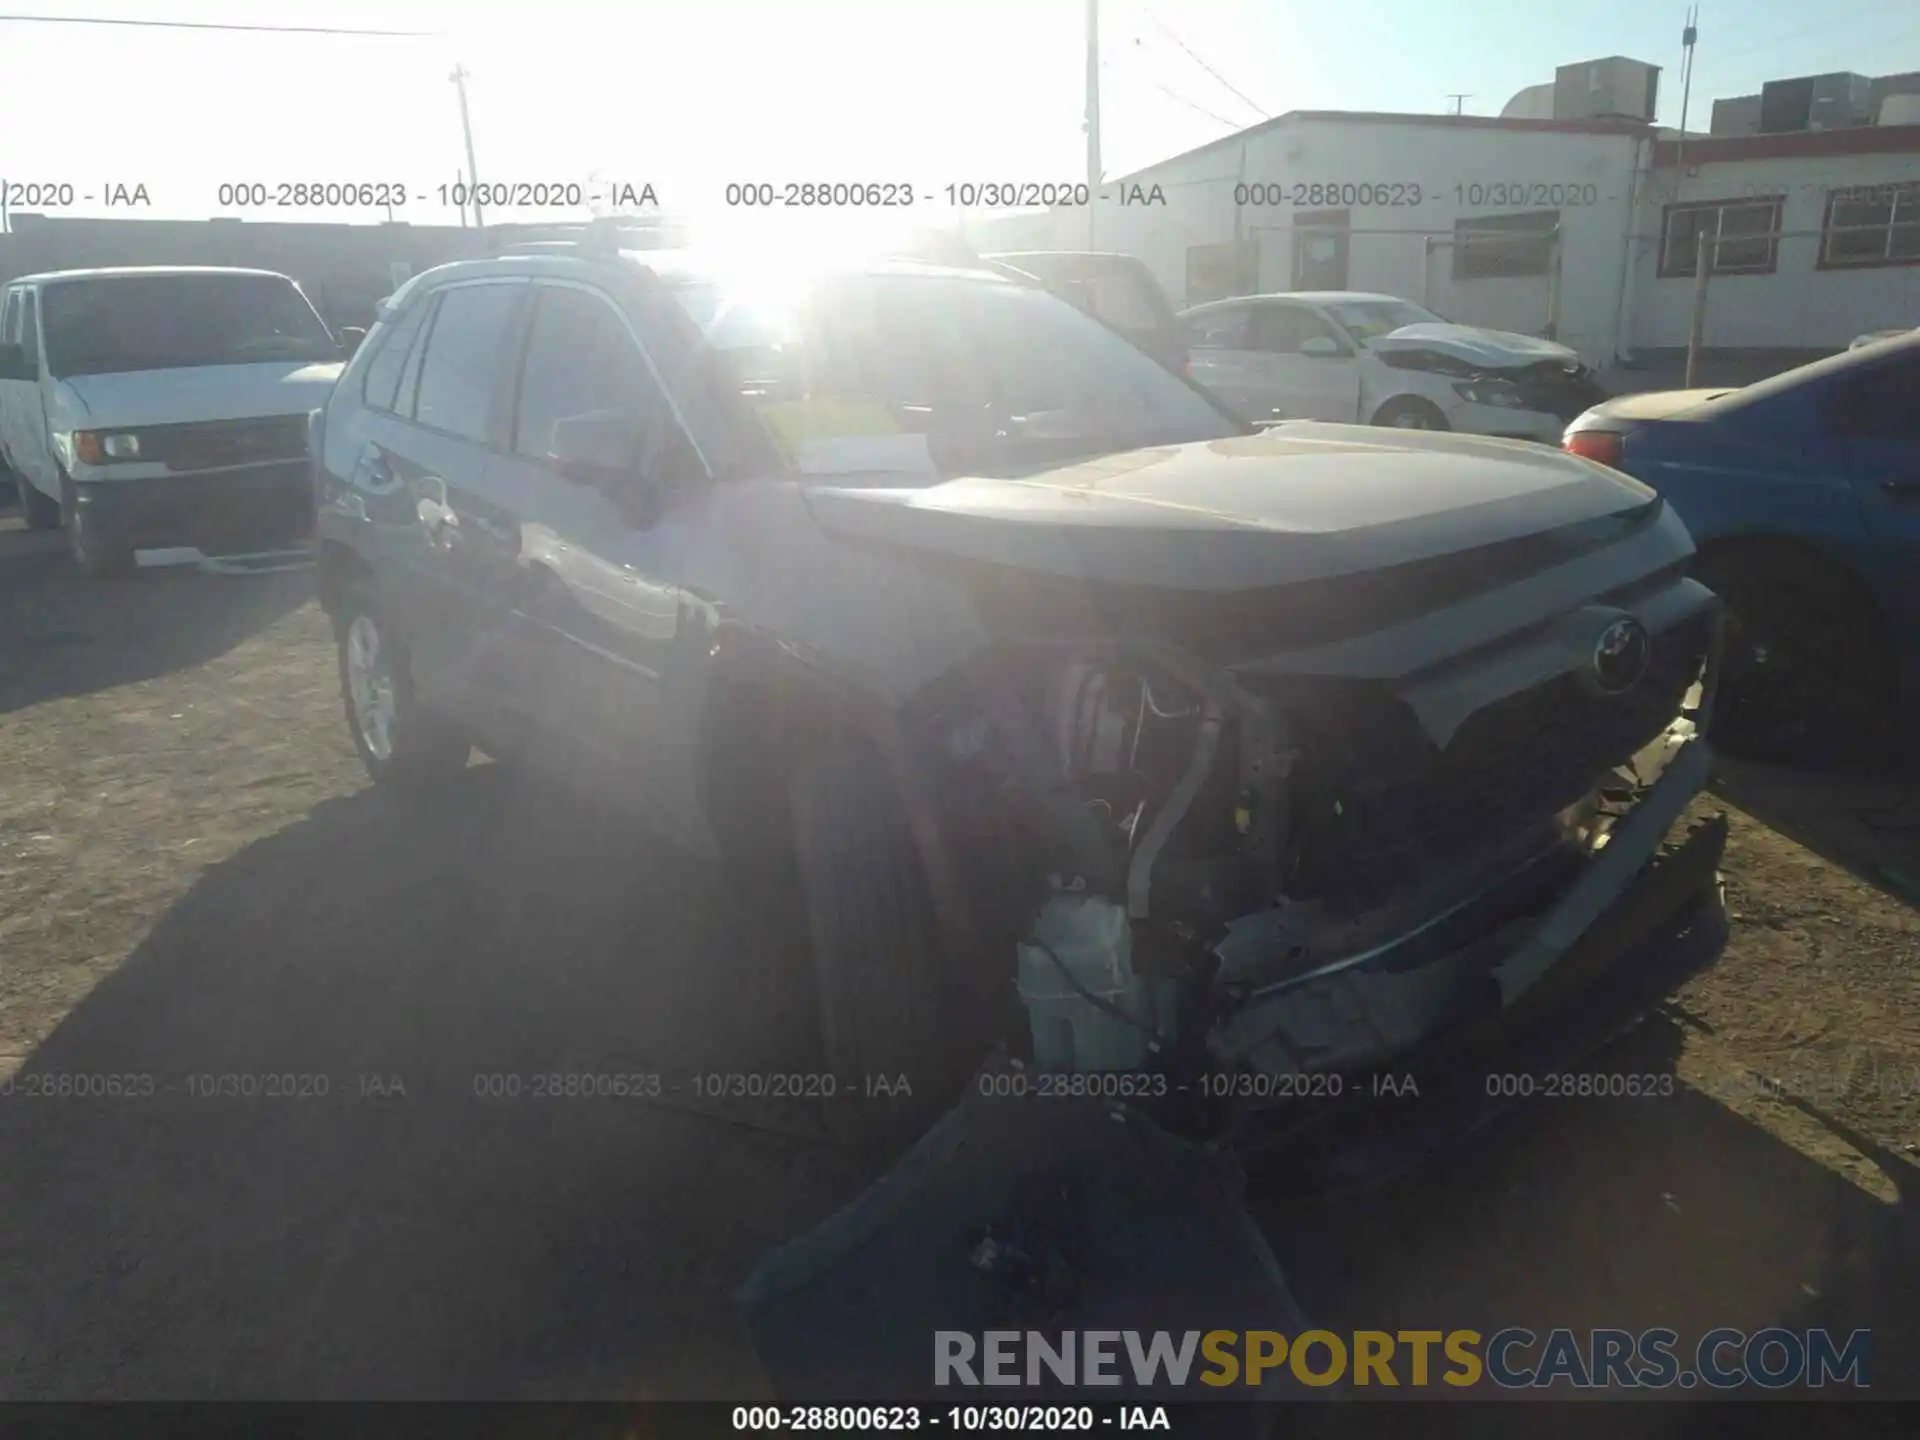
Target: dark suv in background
(1117, 290)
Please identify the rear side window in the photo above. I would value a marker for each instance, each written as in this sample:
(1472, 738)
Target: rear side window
(10, 319)
(29, 328)
(381, 385)
(462, 358)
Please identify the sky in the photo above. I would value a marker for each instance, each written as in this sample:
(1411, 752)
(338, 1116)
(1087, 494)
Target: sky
(692, 95)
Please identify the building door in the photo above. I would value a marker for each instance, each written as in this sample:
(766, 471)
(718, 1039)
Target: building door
(1320, 243)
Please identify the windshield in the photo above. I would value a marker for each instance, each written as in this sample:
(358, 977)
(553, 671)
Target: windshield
(998, 377)
(166, 322)
(1368, 320)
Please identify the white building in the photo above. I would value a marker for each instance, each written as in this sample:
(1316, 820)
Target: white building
(1580, 227)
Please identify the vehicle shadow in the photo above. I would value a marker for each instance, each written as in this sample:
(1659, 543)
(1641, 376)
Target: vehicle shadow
(1868, 824)
(69, 636)
(316, 1149)
(1666, 1211)
(333, 1163)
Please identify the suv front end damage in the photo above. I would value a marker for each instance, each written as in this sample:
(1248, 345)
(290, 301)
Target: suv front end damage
(1265, 877)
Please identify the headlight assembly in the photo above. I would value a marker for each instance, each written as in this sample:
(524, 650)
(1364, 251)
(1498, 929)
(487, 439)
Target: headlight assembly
(1503, 393)
(105, 447)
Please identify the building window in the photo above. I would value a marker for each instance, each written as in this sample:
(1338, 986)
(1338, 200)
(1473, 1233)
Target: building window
(1487, 247)
(1219, 272)
(1743, 236)
(1871, 225)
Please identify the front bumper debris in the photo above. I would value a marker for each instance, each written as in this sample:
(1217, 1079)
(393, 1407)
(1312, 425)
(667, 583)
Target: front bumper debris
(252, 507)
(1664, 927)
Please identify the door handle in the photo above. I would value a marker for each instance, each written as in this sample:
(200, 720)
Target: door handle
(1902, 489)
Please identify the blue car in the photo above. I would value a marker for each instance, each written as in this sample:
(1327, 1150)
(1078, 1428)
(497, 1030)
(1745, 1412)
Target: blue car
(1803, 496)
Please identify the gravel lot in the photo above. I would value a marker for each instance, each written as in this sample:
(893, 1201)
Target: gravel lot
(195, 881)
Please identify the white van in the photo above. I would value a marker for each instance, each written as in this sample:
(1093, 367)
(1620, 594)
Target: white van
(159, 407)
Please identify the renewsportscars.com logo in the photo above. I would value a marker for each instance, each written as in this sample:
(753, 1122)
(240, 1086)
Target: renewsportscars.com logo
(1511, 1359)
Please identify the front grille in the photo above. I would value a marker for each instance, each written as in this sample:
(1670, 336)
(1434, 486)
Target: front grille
(213, 444)
(1380, 804)
(1564, 391)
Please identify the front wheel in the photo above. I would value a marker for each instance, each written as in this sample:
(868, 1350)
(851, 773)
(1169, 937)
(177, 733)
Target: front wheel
(1410, 412)
(1807, 679)
(96, 556)
(40, 512)
(399, 741)
(888, 1017)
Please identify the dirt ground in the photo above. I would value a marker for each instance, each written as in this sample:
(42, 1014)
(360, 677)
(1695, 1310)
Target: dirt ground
(196, 881)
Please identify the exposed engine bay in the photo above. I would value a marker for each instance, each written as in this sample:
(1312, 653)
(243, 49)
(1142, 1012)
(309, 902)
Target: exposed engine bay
(1292, 873)
(1557, 387)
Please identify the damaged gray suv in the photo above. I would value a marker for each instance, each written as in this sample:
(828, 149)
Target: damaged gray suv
(1222, 770)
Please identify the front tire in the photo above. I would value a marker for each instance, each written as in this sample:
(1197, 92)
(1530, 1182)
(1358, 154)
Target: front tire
(884, 996)
(399, 741)
(1807, 677)
(40, 512)
(96, 556)
(1409, 412)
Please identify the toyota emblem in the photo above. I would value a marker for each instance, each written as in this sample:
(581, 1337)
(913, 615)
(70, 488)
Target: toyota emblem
(1621, 655)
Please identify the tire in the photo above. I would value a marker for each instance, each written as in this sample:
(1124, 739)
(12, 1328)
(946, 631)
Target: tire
(400, 742)
(40, 512)
(1807, 678)
(1410, 412)
(883, 993)
(94, 556)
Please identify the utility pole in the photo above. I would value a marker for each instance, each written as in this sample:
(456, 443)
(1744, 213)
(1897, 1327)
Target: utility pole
(459, 78)
(1459, 101)
(1093, 116)
(1687, 38)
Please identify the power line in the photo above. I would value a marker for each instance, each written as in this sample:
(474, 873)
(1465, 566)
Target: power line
(1188, 50)
(1872, 12)
(1200, 109)
(209, 25)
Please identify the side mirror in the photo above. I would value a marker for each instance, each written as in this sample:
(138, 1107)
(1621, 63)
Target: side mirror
(351, 338)
(595, 449)
(1322, 347)
(602, 451)
(15, 364)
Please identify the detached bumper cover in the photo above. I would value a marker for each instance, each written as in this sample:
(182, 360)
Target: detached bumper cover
(1635, 926)
(247, 507)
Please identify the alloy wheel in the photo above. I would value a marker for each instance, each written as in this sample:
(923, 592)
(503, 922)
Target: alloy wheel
(370, 686)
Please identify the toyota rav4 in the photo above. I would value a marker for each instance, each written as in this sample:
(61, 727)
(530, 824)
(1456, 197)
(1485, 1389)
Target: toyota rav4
(1226, 768)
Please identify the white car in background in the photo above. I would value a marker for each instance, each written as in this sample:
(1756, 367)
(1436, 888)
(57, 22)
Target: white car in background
(1358, 358)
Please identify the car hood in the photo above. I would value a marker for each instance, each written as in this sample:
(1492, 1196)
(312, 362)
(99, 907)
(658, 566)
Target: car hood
(1653, 405)
(1493, 349)
(1303, 501)
(202, 392)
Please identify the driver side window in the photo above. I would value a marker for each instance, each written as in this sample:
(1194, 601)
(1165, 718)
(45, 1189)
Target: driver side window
(582, 362)
(1285, 329)
(1221, 330)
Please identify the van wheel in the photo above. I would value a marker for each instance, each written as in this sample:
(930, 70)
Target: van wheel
(94, 555)
(399, 741)
(40, 512)
(1410, 412)
(879, 968)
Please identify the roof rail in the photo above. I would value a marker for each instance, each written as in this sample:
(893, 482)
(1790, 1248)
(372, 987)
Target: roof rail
(599, 236)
